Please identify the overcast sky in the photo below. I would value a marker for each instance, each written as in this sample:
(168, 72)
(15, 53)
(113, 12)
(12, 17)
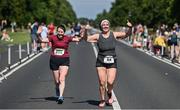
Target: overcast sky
(90, 8)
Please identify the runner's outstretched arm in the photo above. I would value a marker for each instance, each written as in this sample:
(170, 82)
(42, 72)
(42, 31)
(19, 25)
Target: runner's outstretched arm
(90, 38)
(123, 35)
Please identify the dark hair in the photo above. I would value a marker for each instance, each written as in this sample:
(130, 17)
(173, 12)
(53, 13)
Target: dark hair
(62, 26)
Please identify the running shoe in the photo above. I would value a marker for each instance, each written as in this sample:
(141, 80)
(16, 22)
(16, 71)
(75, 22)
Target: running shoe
(60, 100)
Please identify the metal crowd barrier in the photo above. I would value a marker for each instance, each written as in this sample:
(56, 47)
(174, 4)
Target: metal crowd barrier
(14, 55)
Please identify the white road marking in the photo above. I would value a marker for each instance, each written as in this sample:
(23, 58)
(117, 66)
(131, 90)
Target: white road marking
(12, 66)
(163, 60)
(115, 104)
(18, 67)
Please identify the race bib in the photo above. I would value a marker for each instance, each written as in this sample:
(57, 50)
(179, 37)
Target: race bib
(58, 51)
(108, 59)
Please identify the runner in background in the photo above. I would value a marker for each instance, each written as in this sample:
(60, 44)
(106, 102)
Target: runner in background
(51, 31)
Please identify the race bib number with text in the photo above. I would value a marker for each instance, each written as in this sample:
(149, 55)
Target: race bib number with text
(59, 51)
(108, 59)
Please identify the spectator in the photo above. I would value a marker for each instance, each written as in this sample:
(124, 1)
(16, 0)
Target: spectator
(51, 28)
(150, 43)
(5, 36)
(34, 39)
(159, 45)
(3, 24)
(13, 26)
(174, 44)
(43, 35)
(77, 29)
(29, 27)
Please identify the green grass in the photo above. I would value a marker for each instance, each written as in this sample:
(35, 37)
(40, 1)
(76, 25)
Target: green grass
(20, 37)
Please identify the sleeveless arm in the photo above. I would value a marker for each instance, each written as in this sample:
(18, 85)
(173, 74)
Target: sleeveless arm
(124, 34)
(90, 38)
(119, 35)
(73, 39)
(76, 39)
(93, 38)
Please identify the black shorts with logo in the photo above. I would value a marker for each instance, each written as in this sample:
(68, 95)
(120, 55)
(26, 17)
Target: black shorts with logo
(100, 63)
(55, 62)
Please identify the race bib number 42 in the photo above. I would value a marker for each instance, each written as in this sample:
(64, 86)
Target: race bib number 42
(59, 51)
(108, 59)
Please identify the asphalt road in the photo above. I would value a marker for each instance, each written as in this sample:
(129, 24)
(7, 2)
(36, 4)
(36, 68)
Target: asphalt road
(142, 82)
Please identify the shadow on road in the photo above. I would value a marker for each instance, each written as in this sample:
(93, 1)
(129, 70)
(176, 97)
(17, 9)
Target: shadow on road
(51, 98)
(91, 102)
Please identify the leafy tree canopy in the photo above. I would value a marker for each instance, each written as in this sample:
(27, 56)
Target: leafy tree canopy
(24, 11)
(149, 12)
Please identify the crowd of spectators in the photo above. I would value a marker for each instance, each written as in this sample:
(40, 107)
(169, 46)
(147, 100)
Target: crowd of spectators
(165, 42)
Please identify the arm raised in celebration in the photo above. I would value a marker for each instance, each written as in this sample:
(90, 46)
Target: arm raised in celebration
(123, 35)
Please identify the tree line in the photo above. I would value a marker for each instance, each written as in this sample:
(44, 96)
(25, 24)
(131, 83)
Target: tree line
(148, 12)
(24, 11)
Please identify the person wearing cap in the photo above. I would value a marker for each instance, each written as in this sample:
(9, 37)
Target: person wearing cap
(106, 63)
(59, 59)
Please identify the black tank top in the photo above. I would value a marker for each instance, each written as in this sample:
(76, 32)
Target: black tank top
(106, 46)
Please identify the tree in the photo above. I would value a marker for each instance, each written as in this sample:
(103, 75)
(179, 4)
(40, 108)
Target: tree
(24, 11)
(176, 10)
(149, 12)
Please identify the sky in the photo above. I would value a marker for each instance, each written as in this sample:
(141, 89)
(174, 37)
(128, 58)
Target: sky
(90, 8)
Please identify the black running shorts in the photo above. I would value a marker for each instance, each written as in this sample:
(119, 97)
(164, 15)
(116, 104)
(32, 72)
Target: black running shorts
(56, 62)
(174, 43)
(100, 63)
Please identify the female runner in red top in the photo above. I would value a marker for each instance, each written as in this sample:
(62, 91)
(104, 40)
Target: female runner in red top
(59, 59)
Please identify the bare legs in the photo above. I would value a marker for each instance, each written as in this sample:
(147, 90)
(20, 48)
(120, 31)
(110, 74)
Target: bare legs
(59, 78)
(106, 79)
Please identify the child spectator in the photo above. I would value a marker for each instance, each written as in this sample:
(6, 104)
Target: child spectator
(5, 36)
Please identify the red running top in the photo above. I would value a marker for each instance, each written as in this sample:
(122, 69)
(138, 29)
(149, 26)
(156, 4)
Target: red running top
(60, 47)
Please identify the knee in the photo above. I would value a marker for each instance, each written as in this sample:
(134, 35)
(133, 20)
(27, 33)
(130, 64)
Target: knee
(110, 83)
(57, 82)
(102, 83)
(61, 80)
